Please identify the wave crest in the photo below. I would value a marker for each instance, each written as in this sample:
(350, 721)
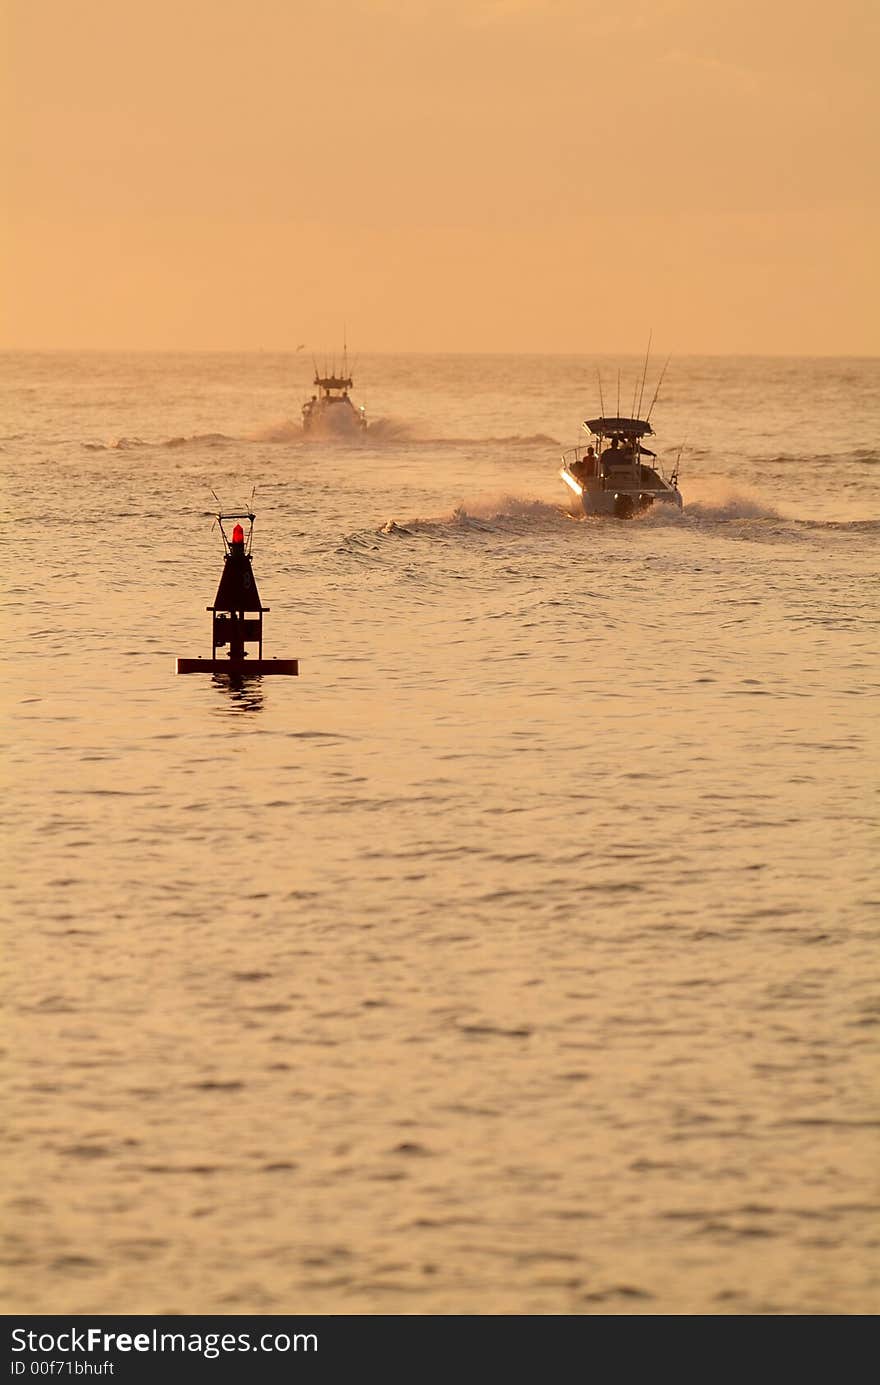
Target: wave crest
(484, 513)
(130, 444)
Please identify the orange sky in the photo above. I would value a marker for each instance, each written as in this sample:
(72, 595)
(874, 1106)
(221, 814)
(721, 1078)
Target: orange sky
(547, 175)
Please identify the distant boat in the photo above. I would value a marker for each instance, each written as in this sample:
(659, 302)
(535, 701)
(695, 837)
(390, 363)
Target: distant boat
(330, 413)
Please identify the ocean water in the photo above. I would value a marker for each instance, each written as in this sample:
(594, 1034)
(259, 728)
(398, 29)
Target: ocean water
(521, 955)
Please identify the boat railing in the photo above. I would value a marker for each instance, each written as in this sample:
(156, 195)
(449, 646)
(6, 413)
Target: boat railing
(628, 468)
(576, 454)
(668, 478)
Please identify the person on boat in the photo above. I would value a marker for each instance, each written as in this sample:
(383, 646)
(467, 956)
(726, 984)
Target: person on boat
(629, 449)
(612, 453)
(585, 466)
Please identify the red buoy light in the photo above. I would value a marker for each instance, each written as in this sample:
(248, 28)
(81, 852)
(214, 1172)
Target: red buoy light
(238, 534)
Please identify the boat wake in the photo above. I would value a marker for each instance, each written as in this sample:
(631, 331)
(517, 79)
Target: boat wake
(721, 511)
(131, 444)
(513, 440)
(483, 514)
(498, 509)
(385, 432)
(389, 430)
(381, 430)
(736, 508)
(392, 432)
(506, 515)
(282, 430)
(510, 513)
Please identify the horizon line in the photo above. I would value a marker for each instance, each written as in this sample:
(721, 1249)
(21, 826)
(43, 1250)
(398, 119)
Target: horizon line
(399, 351)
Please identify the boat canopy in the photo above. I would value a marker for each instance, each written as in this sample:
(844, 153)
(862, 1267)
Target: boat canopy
(629, 427)
(334, 382)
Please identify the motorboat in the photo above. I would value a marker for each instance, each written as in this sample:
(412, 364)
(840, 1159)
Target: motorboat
(330, 413)
(615, 474)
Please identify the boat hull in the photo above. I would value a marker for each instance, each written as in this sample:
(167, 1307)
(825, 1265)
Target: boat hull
(620, 502)
(333, 418)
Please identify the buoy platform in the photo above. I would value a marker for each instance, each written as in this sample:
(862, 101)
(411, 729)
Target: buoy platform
(239, 668)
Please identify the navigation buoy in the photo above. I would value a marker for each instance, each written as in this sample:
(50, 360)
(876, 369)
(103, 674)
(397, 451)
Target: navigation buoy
(237, 612)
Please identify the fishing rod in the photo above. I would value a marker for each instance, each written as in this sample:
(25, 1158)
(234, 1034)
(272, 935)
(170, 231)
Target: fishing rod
(601, 397)
(657, 390)
(673, 480)
(645, 372)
